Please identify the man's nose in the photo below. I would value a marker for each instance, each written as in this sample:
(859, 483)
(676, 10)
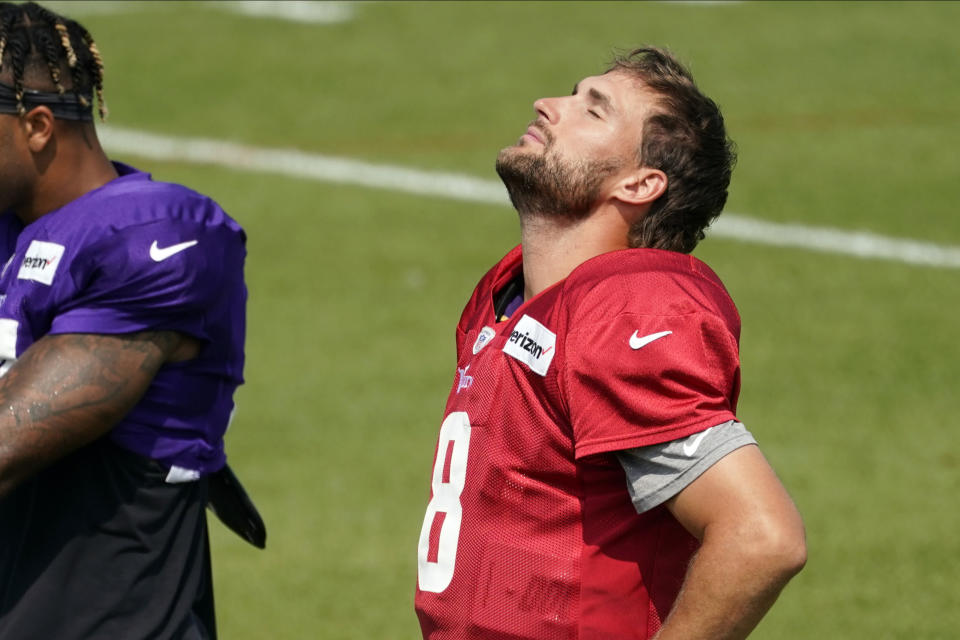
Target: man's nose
(548, 109)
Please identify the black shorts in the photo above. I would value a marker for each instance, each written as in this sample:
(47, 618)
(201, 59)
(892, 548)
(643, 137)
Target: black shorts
(98, 546)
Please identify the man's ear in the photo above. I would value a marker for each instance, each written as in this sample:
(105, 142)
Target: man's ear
(38, 128)
(642, 186)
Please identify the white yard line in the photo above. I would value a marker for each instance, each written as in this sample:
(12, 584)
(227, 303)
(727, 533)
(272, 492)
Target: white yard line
(75, 8)
(304, 11)
(861, 244)
(329, 12)
(324, 168)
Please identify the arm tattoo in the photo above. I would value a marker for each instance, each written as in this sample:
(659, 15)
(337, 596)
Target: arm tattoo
(67, 390)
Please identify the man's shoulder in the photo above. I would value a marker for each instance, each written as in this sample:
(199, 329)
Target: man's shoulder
(134, 225)
(134, 199)
(143, 201)
(647, 282)
(640, 266)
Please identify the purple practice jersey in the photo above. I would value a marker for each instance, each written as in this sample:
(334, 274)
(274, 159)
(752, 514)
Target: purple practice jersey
(138, 255)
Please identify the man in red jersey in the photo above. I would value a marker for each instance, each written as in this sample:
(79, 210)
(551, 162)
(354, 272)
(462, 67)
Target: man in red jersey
(591, 480)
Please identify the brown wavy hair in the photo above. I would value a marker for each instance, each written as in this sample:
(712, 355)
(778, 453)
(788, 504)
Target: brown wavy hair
(687, 140)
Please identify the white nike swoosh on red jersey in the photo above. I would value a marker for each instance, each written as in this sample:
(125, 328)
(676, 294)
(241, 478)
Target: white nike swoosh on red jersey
(636, 342)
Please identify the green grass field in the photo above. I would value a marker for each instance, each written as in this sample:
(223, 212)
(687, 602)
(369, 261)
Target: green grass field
(845, 116)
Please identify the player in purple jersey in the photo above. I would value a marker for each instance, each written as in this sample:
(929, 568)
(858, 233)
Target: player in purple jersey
(122, 317)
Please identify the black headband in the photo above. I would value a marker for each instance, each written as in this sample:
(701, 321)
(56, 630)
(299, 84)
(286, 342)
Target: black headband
(66, 106)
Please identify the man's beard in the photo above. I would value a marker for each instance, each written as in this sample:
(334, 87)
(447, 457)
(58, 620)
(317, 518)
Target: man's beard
(544, 185)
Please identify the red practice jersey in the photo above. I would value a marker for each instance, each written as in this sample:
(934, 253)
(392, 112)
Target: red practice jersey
(530, 531)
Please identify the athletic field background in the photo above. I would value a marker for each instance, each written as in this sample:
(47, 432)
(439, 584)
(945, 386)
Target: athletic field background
(846, 117)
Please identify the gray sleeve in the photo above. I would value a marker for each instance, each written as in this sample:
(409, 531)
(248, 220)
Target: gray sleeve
(658, 472)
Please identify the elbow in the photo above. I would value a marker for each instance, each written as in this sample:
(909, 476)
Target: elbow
(799, 551)
(779, 547)
(772, 549)
(791, 555)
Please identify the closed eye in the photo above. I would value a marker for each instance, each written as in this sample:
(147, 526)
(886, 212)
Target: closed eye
(597, 99)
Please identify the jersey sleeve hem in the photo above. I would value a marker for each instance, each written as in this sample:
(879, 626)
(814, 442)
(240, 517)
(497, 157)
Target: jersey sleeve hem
(104, 322)
(648, 436)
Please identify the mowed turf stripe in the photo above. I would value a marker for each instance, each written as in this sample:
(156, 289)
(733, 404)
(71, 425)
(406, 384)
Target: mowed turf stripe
(324, 168)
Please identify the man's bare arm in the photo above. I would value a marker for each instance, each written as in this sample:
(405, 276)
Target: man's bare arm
(67, 390)
(752, 544)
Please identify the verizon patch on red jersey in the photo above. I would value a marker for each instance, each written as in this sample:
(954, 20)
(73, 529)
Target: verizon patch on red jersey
(533, 344)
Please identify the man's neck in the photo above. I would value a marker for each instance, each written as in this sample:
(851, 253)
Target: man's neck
(77, 167)
(554, 247)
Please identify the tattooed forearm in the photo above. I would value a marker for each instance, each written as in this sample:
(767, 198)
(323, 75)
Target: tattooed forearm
(67, 390)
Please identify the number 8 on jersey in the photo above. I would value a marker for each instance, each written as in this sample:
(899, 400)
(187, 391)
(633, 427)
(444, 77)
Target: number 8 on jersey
(437, 551)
